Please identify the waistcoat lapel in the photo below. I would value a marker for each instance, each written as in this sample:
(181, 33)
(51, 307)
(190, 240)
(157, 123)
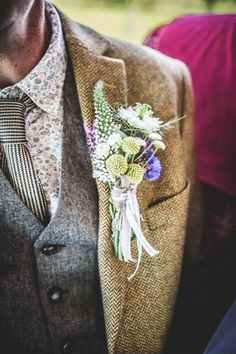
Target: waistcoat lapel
(89, 66)
(11, 204)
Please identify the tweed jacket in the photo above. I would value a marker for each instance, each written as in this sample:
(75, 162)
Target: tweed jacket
(138, 313)
(48, 302)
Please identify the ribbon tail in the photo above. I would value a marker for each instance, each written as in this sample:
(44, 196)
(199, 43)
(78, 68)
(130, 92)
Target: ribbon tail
(138, 261)
(133, 216)
(125, 238)
(126, 221)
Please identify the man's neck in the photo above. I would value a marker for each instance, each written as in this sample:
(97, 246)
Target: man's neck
(23, 43)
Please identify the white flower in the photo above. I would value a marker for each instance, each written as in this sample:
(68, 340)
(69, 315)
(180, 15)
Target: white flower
(102, 150)
(97, 174)
(155, 136)
(140, 141)
(147, 123)
(151, 124)
(128, 113)
(103, 177)
(157, 140)
(139, 123)
(131, 117)
(114, 139)
(159, 144)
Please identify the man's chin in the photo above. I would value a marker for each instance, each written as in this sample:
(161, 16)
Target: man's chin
(11, 11)
(6, 23)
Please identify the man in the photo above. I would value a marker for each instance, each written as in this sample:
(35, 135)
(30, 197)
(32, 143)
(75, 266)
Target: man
(52, 227)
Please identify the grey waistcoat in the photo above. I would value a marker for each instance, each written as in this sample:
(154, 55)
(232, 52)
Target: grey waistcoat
(50, 298)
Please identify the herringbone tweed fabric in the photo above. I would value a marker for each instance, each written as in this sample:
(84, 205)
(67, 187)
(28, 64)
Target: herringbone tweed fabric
(138, 313)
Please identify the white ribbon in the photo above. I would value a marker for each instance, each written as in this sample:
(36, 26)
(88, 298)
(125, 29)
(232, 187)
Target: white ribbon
(127, 220)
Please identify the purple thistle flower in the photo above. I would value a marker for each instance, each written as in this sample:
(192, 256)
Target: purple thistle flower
(148, 143)
(154, 167)
(90, 135)
(149, 152)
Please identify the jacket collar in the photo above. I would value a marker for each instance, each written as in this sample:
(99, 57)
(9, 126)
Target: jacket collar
(85, 37)
(86, 50)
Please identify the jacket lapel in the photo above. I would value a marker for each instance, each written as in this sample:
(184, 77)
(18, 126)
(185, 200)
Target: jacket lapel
(86, 52)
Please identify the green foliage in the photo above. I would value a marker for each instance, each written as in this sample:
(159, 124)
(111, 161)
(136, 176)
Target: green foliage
(211, 3)
(142, 3)
(132, 20)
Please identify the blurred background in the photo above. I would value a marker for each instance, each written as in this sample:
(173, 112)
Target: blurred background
(131, 20)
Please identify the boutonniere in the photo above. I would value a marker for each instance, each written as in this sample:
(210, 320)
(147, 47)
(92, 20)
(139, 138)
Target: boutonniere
(123, 143)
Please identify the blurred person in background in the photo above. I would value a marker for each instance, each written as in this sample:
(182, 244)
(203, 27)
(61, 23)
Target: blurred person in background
(62, 290)
(207, 45)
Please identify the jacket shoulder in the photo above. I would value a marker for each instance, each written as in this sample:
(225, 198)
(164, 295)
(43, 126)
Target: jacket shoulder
(145, 59)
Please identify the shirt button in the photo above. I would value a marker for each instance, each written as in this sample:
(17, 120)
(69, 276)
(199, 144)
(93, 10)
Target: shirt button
(49, 249)
(55, 295)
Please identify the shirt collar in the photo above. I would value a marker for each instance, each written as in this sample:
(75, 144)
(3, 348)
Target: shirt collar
(44, 84)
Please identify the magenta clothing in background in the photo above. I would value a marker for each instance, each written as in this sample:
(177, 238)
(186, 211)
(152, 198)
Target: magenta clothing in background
(207, 44)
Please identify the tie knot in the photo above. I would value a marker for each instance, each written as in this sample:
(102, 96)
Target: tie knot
(12, 121)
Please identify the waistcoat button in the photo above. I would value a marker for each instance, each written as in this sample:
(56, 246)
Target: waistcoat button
(66, 345)
(49, 249)
(55, 295)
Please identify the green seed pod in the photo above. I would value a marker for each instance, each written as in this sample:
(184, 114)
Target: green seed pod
(116, 165)
(130, 146)
(135, 173)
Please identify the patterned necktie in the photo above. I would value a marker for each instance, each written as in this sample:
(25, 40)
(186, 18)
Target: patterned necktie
(16, 162)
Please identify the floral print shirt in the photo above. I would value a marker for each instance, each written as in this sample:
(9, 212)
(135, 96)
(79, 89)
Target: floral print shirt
(44, 123)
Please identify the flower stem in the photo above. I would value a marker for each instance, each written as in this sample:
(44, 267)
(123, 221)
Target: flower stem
(144, 151)
(150, 157)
